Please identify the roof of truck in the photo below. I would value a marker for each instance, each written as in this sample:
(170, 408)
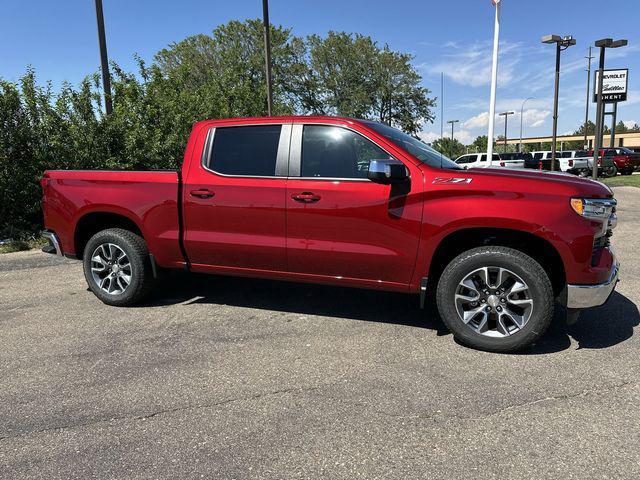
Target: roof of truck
(282, 118)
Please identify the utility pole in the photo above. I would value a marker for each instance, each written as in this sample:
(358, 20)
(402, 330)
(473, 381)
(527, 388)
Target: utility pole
(267, 55)
(505, 115)
(614, 115)
(452, 122)
(586, 114)
(106, 77)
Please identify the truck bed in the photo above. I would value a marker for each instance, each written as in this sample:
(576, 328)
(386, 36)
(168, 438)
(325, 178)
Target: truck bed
(149, 199)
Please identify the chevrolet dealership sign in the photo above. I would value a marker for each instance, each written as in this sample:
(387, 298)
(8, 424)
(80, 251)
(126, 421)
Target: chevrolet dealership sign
(614, 85)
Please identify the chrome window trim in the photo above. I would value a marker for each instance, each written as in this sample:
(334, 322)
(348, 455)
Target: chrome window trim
(282, 155)
(295, 152)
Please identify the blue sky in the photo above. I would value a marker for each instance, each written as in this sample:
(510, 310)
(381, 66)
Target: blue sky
(59, 39)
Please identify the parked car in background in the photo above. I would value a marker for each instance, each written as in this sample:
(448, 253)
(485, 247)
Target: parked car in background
(512, 160)
(566, 161)
(574, 161)
(543, 160)
(627, 161)
(350, 203)
(475, 160)
(606, 164)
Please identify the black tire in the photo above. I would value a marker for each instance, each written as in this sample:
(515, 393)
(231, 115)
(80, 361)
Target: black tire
(522, 265)
(135, 248)
(626, 172)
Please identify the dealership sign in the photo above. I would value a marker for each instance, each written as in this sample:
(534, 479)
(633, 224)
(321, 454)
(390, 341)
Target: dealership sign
(614, 85)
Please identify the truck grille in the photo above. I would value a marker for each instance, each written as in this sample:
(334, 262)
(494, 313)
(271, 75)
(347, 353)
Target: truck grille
(604, 241)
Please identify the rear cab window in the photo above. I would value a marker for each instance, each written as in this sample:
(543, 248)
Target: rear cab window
(249, 150)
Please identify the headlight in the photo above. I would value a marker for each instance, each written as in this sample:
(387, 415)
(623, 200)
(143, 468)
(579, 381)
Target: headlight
(603, 209)
(595, 208)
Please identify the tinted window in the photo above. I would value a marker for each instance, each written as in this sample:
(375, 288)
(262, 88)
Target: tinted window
(581, 153)
(414, 146)
(250, 150)
(538, 155)
(466, 159)
(334, 152)
(483, 158)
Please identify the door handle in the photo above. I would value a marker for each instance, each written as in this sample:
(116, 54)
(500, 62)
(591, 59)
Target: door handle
(202, 193)
(305, 197)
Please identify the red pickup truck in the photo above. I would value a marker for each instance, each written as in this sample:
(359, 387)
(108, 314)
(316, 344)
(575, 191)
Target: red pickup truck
(345, 202)
(626, 161)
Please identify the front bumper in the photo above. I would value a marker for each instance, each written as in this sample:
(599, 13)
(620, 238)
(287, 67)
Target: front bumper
(587, 296)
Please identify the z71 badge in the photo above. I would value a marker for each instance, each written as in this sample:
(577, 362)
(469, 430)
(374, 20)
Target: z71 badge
(450, 180)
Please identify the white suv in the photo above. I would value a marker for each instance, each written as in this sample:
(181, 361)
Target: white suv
(475, 160)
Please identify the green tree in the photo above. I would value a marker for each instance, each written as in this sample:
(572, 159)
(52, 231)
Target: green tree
(352, 76)
(452, 149)
(480, 143)
(203, 76)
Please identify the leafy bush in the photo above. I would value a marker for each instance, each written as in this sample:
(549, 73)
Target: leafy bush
(216, 76)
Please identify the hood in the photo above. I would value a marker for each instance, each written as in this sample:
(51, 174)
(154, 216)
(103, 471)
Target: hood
(545, 181)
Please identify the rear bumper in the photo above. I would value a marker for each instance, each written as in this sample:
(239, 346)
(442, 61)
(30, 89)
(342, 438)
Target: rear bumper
(587, 296)
(54, 243)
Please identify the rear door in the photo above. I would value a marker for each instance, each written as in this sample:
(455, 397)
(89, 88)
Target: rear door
(339, 223)
(234, 199)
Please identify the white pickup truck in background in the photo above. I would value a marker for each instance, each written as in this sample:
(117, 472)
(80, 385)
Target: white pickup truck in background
(570, 161)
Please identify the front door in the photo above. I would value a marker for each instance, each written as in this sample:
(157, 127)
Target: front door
(234, 200)
(339, 223)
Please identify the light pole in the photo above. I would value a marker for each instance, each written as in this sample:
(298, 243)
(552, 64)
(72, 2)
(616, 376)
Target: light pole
(452, 122)
(586, 114)
(505, 115)
(562, 43)
(267, 54)
(521, 114)
(494, 80)
(104, 60)
(603, 44)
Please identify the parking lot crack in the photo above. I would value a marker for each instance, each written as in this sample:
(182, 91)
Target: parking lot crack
(165, 411)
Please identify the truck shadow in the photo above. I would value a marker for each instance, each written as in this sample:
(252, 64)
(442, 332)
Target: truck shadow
(600, 327)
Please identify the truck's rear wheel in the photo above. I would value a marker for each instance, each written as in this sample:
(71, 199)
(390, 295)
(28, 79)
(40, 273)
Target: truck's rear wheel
(116, 267)
(495, 298)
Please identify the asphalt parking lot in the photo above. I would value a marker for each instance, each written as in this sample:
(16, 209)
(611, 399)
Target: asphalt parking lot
(234, 378)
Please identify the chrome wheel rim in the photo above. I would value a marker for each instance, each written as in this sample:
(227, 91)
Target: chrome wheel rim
(111, 269)
(494, 301)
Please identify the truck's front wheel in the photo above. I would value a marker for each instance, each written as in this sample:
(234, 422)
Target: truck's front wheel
(116, 267)
(495, 298)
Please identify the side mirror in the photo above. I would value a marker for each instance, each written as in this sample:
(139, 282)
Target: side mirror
(387, 171)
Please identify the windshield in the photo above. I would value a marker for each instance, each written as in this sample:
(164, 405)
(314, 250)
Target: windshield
(415, 147)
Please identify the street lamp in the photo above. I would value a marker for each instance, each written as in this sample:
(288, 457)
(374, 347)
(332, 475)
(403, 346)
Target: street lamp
(562, 43)
(597, 144)
(521, 113)
(452, 122)
(505, 115)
